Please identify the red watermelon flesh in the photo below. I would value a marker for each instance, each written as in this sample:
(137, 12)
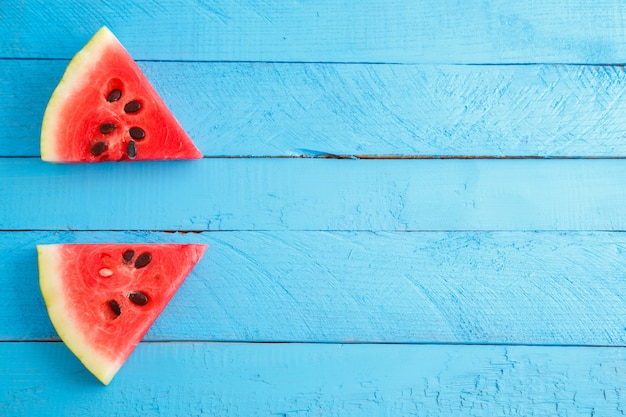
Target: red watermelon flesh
(105, 109)
(103, 298)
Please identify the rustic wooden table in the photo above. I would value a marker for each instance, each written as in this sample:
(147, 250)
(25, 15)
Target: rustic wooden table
(413, 208)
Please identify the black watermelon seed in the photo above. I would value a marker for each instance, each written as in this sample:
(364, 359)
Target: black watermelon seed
(143, 260)
(137, 133)
(114, 95)
(132, 106)
(138, 298)
(131, 149)
(107, 128)
(115, 307)
(97, 148)
(128, 256)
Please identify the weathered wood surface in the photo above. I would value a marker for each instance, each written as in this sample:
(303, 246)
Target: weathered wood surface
(204, 379)
(295, 109)
(402, 31)
(488, 284)
(557, 288)
(316, 194)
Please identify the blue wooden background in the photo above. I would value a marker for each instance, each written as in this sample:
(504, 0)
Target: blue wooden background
(413, 208)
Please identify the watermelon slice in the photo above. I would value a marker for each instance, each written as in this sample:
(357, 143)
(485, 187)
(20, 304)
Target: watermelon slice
(103, 298)
(105, 109)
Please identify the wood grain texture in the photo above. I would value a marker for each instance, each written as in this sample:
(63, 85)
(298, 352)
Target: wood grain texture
(448, 287)
(325, 31)
(253, 109)
(193, 379)
(471, 287)
(315, 194)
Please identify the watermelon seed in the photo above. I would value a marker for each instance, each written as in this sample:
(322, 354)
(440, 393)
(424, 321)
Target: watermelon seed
(107, 128)
(114, 95)
(138, 298)
(98, 147)
(128, 256)
(105, 272)
(115, 307)
(143, 260)
(131, 149)
(132, 106)
(137, 133)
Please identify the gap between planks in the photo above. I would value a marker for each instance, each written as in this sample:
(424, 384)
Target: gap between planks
(347, 63)
(324, 155)
(285, 231)
(357, 343)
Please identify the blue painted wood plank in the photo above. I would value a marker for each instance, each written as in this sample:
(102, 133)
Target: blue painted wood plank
(315, 194)
(194, 379)
(250, 109)
(446, 287)
(325, 31)
(319, 250)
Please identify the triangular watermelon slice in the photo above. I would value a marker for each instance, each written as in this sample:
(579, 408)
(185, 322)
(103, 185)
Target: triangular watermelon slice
(103, 298)
(105, 109)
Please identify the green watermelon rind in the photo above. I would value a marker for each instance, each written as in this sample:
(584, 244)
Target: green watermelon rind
(83, 63)
(51, 285)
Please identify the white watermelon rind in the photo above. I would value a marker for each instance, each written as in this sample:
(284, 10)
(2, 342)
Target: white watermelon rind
(51, 285)
(84, 62)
